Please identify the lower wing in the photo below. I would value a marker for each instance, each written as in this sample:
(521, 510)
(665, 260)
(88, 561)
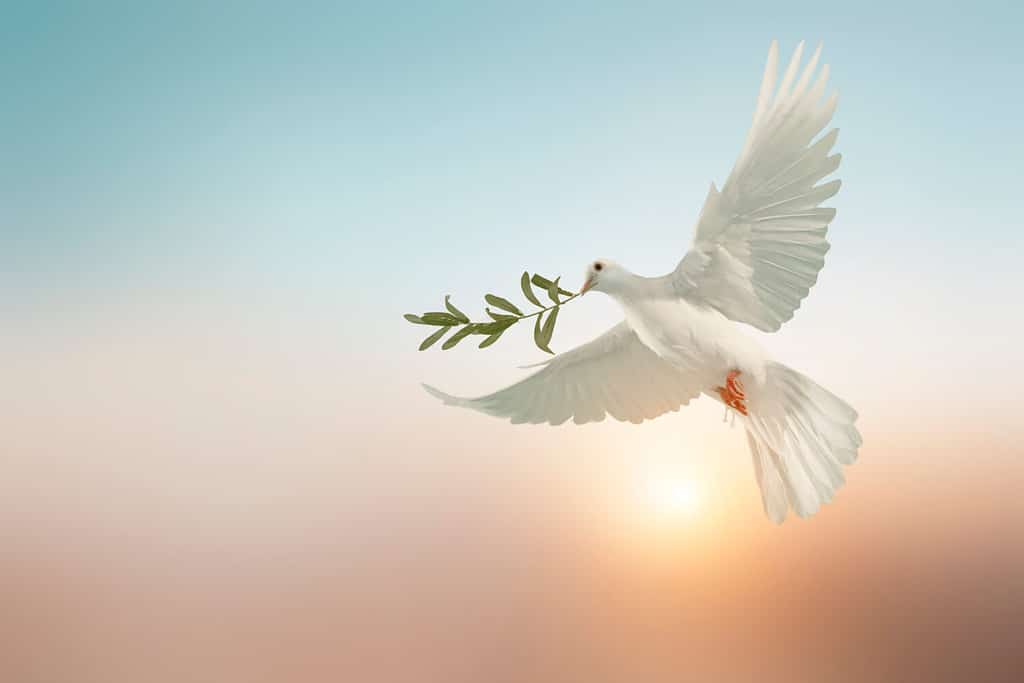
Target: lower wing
(615, 374)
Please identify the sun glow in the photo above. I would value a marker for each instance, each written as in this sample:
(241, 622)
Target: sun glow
(673, 496)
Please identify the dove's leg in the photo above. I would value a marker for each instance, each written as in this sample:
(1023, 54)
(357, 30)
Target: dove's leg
(732, 393)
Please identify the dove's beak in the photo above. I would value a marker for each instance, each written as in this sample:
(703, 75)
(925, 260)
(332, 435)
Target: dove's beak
(587, 285)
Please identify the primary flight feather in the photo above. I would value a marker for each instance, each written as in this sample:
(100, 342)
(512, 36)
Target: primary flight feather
(757, 248)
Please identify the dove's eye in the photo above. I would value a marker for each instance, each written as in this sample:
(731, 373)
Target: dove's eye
(598, 266)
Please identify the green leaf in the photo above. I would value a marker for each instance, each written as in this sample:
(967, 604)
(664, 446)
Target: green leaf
(437, 318)
(553, 291)
(503, 304)
(415, 319)
(462, 317)
(538, 336)
(549, 328)
(490, 340)
(544, 283)
(429, 341)
(457, 337)
(499, 316)
(524, 283)
(495, 327)
(541, 281)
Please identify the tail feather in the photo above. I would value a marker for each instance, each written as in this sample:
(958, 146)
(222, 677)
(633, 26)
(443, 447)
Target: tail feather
(773, 491)
(800, 436)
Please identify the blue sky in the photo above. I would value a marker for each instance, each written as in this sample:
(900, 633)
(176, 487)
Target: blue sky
(155, 144)
(351, 162)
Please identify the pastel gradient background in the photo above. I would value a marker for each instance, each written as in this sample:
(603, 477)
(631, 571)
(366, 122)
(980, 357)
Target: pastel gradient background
(216, 463)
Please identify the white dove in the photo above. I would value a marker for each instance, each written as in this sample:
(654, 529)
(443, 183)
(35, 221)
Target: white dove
(758, 246)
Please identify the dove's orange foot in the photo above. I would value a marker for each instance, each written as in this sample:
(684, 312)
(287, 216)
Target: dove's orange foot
(732, 393)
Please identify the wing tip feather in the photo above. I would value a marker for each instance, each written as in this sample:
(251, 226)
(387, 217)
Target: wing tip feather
(447, 399)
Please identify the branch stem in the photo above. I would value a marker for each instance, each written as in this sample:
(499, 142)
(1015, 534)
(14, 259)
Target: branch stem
(545, 310)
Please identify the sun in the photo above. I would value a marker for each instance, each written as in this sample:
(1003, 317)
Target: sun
(673, 496)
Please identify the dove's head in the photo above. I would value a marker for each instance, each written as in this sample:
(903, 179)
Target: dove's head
(604, 275)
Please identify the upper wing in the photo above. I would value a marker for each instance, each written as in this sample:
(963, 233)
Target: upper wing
(760, 242)
(614, 374)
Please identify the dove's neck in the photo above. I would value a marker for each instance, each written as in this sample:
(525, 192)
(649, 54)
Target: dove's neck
(630, 288)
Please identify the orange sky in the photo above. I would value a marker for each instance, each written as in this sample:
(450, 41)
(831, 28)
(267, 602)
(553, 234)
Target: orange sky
(201, 501)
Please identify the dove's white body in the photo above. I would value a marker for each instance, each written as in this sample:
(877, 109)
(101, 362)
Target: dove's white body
(757, 249)
(695, 338)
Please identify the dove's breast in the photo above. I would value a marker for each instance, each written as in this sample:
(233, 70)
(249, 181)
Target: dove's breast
(698, 339)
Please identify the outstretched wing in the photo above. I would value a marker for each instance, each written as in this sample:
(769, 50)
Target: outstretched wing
(760, 242)
(614, 374)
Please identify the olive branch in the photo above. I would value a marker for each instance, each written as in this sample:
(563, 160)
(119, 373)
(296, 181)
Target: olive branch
(543, 328)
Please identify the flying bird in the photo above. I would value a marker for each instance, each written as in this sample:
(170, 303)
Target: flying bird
(758, 246)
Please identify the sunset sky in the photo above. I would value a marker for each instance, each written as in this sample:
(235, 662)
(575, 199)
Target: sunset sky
(217, 460)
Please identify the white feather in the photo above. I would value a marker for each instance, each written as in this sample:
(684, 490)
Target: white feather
(769, 203)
